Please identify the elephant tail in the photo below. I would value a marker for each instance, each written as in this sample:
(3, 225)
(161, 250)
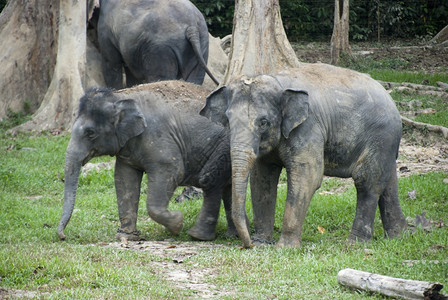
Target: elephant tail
(192, 35)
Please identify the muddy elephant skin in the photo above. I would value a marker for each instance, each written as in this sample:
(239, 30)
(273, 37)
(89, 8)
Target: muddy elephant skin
(152, 40)
(161, 136)
(313, 121)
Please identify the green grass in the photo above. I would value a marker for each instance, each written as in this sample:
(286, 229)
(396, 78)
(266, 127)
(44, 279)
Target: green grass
(407, 102)
(391, 69)
(33, 259)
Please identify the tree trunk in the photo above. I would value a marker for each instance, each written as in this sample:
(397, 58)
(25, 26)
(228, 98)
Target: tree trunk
(339, 39)
(61, 101)
(442, 36)
(259, 43)
(28, 33)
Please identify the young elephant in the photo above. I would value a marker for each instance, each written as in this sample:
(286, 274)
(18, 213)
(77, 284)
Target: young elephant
(170, 142)
(315, 120)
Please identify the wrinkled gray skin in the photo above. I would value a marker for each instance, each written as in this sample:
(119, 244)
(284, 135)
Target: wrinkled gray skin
(312, 121)
(172, 146)
(153, 40)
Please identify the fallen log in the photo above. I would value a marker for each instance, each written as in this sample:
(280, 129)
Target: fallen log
(431, 128)
(442, 84)
(390, 286)
(409, 90)
(442, 87)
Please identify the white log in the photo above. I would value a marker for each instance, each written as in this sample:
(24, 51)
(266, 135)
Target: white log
(390, 286)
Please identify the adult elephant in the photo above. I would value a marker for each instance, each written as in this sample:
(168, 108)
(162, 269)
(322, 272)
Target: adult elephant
(151, 130)
(315, 120)
(153, 40)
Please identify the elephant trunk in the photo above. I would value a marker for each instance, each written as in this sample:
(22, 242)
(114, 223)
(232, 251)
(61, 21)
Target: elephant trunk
(73, 163)
(242, 162)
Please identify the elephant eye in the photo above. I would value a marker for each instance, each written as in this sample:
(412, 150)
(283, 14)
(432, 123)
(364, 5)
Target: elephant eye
(90, 133)
(263, 124)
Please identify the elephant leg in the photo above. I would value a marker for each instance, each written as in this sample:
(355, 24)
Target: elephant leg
(227, 199)
(263, 182)
(131, 80)
(160, 190)
(394, 222)
(367, 201)
(205, 227)
(194, 72)
(159, 63)
(127, 186)
(304, 178)
(111, 64)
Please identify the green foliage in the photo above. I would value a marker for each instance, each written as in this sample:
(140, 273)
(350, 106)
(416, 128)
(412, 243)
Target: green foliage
(408, 102)
(218, 15)
(313, 20)
(2, 4)
(12, 120)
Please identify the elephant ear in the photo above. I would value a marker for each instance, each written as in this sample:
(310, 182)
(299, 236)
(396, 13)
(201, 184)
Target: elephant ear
(216, 106)
(295, 106)
(129, 120)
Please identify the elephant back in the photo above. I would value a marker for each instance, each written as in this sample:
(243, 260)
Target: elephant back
(183, 96)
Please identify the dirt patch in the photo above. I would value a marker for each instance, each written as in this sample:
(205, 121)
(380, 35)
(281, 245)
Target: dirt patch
(430, 59)
(177, 270)
(416, 159)
(15, 294)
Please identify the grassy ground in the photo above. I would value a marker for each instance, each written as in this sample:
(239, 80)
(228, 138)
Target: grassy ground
(33, 259)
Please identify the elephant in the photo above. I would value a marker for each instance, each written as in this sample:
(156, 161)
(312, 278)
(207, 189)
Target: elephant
(150, 130)
(153, 40)
(313, 120)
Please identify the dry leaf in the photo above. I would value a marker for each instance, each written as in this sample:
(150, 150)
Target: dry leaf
(171, 247)
(321, 229)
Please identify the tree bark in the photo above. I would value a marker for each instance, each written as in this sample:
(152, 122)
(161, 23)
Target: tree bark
(259, 44)
(28, 31)
(339, 39)
(389, 286)
(61, 100)
(442, 36)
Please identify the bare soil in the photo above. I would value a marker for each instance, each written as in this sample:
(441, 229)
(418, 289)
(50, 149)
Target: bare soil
(175, 266)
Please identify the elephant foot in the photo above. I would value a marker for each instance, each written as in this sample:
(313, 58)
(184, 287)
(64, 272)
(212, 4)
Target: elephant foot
(356, 238)
(261, 241)
(397, 230)
(231, 232)
(132, 236)
(204, 230)
(202, 235)
(285, 242)
(172, 220)
(174, 225)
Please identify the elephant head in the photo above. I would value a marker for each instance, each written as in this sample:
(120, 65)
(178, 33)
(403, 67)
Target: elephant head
(260, 113)
(103, 126)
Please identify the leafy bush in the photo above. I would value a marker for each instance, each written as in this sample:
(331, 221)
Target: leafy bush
(313, 20)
